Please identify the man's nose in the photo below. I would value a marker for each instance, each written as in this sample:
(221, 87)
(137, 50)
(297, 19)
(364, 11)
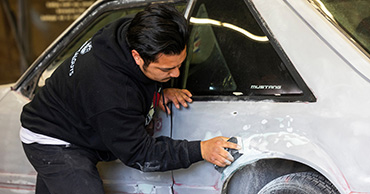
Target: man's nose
(175, 72)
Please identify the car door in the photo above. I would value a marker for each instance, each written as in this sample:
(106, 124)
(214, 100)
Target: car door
(17, 174)
(237, 74)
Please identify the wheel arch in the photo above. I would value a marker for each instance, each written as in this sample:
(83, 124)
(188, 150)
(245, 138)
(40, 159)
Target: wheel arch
(284, 150)
(266, 169)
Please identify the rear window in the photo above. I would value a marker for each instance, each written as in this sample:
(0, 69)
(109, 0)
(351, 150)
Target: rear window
(353, 16)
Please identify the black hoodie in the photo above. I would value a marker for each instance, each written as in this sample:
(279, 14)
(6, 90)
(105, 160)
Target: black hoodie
(99, 99)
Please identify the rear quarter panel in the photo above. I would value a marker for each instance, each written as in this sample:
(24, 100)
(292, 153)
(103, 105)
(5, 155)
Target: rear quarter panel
(331, 135)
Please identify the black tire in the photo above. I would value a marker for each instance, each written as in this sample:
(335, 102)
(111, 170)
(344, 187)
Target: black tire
(299, 183)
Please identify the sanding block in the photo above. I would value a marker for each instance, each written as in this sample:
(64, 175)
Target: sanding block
(234, 152)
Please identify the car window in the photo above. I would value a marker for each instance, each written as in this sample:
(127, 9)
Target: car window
(351, 15)
(88, 32)
(84, 36)
(229, 54)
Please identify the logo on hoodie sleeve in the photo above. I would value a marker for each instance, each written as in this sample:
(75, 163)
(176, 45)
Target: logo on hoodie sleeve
(85, 48)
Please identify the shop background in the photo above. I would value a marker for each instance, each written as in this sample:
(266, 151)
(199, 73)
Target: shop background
(27, 27)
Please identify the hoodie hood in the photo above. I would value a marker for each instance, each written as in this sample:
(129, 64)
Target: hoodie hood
(111, 48)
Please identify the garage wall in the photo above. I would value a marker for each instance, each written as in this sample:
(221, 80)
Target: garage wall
(27, 27)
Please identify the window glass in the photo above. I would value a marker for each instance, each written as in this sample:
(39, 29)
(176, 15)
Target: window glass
(229, 54)
(83, 37)
(352, 15)
(87, 33)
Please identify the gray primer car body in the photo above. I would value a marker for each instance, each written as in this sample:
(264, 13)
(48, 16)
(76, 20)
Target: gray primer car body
(330, 136)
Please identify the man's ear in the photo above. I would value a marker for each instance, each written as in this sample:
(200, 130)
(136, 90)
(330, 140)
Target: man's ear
(139, 61)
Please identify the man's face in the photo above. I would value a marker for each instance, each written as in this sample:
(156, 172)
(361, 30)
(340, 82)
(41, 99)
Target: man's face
(166, 67)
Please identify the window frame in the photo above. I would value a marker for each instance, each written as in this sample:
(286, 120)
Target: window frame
(27, 83)
(307, 95)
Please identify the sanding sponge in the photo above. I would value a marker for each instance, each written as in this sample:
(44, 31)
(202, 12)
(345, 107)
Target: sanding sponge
(235, 153)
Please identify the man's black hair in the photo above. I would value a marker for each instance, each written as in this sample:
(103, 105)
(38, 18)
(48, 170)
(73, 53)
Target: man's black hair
(158, 29)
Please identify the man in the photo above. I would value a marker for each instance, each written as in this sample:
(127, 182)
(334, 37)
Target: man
(95, 106)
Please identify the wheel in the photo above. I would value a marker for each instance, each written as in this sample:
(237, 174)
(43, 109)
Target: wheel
(299, 183)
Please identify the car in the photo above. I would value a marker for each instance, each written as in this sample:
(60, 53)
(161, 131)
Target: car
(289, 79)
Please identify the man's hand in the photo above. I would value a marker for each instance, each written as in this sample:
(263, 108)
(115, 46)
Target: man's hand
(213, 151)
(176, 96)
